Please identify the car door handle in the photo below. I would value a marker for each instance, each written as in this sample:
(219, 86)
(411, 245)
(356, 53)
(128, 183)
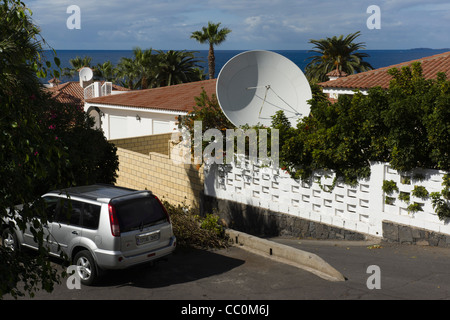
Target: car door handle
(75, 232)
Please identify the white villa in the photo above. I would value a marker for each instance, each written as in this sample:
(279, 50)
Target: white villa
(146, 112)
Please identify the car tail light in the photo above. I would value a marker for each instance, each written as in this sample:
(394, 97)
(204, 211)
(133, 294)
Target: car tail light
(164, 208)
(115, 229)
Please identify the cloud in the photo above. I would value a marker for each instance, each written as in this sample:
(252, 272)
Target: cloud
(252, 22)
(270, 24)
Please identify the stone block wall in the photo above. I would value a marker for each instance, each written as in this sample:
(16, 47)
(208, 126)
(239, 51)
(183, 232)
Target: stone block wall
(155, 171)
(397, 233)
(158, 143)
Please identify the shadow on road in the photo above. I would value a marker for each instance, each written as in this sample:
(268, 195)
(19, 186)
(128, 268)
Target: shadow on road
(185, 265)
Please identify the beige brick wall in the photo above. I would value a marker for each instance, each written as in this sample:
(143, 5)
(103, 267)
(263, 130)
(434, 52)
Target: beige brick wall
(155, 171)
(153, 143)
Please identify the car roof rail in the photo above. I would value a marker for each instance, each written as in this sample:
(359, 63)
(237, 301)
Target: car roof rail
(78, 191)
(130, 195)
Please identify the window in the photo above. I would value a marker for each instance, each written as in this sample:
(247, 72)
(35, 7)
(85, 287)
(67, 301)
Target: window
(91, 215)
(139, 213)
(51, 203)
(69, 212)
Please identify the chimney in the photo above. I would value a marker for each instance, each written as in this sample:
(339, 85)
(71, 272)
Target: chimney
(53, 82)
(336, 74)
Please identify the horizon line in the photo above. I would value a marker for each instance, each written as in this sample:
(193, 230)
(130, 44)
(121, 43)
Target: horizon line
(239, 49)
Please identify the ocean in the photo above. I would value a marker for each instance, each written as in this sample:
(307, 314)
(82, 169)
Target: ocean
(377, 58)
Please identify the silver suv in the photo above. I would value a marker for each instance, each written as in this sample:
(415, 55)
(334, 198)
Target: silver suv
(101, 227)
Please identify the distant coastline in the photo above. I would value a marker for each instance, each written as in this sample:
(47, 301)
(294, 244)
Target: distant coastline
(423, 49)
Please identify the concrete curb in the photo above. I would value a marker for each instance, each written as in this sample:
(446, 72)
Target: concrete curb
(286, 254)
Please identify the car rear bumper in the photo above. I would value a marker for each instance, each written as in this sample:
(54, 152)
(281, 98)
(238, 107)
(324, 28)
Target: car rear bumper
(117, 260)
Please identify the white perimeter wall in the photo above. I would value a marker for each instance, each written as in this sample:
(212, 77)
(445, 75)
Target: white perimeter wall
(361, 208)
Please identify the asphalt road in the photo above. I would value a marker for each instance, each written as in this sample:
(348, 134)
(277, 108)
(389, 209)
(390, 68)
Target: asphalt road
(233, 274)
(406, 272)
(191, 274)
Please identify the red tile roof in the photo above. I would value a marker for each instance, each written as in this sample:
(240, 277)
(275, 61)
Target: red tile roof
(379, 77)
(174, 98)
(72, 93)
(337, 73)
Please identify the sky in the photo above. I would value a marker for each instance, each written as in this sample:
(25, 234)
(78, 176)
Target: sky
(255, 24)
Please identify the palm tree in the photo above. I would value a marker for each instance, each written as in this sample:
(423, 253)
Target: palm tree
(149, 69)
(145, 65)
(76, 64)
(19, 44)
(105, 71)
(336, 53)
(175, 67)
(137, 72)
(126, 73)
(214, 36)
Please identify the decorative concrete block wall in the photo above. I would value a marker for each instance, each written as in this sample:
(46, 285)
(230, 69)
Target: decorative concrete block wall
(396, 210)
(145, 164)
(361, 208)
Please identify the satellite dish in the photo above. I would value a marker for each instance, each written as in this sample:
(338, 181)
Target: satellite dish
(86, 75)
(253, 85)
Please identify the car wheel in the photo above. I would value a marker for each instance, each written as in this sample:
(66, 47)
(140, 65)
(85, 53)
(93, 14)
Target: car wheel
(86, 268)
(9, 240)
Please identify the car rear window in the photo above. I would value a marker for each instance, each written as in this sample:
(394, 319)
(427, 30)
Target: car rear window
(139, 213)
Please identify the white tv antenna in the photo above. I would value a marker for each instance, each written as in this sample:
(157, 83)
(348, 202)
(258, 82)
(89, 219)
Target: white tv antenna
(253, 85)
(86, 75)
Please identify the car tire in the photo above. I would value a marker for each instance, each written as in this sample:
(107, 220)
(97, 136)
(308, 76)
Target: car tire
(86, 267)
(10, 241)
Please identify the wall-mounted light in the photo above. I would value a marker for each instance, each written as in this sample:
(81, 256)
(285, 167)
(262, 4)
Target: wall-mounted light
(138, 118)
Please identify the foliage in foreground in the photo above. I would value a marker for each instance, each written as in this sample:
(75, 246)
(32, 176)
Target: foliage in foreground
(43, 145)
(407, 125)
(192, 230)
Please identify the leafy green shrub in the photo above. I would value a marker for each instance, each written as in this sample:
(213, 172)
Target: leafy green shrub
(211, 222)
(446, 183)
(405, 179)
(44, 145)
(404, 196)
(192, 230)
(389, 200)
(420, 192)
(414, 207)
(389, 186)
(407, 125)
(440, 206)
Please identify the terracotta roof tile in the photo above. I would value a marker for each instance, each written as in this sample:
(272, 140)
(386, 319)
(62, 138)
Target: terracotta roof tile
(176, 98)
(379, 77)
(71, 92)
(337, 73)
(66, 98)
(54, 80)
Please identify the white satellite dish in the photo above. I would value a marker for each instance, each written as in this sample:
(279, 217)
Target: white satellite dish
(253, 85)
(86, 76)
